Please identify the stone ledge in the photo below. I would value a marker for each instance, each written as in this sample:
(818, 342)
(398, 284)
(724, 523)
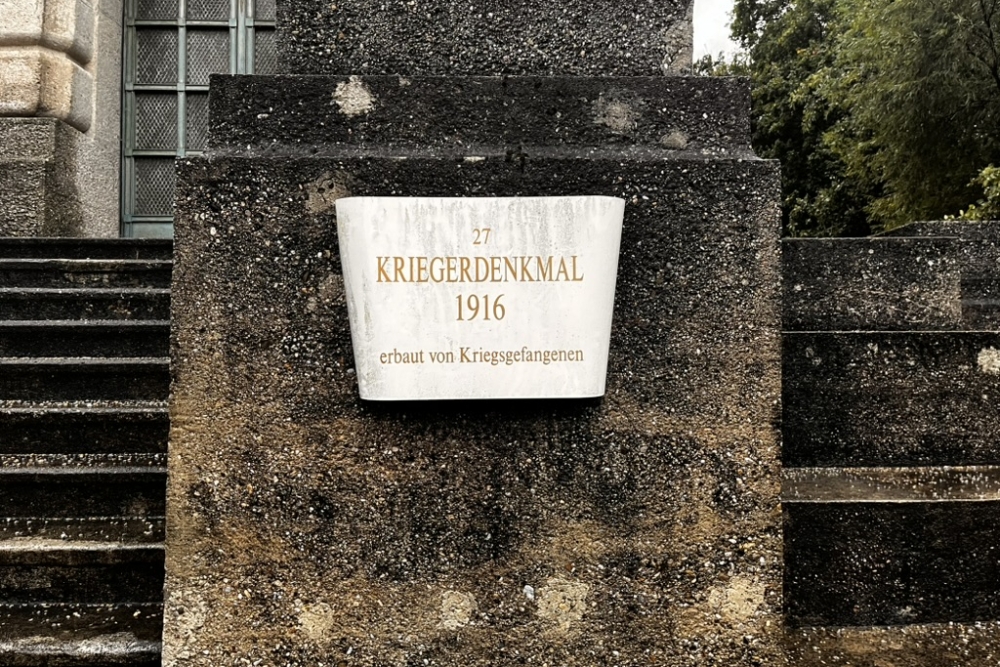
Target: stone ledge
(36, 81)
(925, 645)
(463, 115)
(872, 284)
(66, 26)
(916, 484)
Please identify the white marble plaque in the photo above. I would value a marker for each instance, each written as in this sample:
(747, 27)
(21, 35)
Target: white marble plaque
(478, 298)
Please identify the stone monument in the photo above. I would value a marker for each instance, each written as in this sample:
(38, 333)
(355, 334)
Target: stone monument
(307, 526)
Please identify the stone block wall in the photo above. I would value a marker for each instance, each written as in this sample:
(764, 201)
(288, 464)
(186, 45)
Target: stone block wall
(60, 61)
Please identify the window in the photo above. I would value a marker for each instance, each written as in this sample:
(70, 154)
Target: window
(171, 47)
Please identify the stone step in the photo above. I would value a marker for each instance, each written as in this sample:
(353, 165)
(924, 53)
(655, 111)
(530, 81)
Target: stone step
(135, 530)
(913, 645)
(76, 338)
(68, 273)
(34, 492)
(891, 546)
(890, 398)
(84, 378)
(981, 302)
(80, 635)
(84, 430)
(126, 303)
(37, 570)
(880, 284)
(79, 248)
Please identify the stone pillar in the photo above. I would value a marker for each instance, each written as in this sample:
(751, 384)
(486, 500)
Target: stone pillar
(308, 527)
(57, 176)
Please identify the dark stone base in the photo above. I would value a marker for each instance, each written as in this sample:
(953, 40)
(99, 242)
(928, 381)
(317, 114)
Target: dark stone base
(37, 194)
(892, 563)
(307, 526)
(890, 398)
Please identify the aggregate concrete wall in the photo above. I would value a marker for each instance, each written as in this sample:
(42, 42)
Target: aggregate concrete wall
(517, 37)
(891, 489)
(306, 526)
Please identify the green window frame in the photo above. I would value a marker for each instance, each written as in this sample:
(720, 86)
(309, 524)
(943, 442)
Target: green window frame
(170, 49)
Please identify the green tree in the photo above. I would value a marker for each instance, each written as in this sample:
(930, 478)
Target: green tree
(788, 42)
(916, 89)
(987, 208)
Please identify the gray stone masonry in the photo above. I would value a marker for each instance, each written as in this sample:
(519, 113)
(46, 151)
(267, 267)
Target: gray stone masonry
(37, 195)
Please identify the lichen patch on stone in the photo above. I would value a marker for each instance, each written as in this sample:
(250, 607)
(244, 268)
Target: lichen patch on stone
(738, 600)
(353, 97)
(561, 601)
(989, 361)
(457, 609)
(326, 190)
(617, 115)
(316, 620)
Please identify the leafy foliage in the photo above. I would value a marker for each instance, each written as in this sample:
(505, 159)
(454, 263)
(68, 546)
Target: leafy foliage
(881, 111)
(788, 41)
(924, 106)
(987, 208)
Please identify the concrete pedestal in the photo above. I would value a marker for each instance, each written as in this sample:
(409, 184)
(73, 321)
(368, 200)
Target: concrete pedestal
(308, 527)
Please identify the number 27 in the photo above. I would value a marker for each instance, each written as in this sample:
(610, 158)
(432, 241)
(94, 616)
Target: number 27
(482, 236)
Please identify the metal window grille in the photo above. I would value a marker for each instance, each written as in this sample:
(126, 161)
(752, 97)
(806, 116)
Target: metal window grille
(171, 48)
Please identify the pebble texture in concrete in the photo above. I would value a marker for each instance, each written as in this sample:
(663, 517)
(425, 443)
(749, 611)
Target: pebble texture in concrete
(888, 284)
(37, 194)
(891, 398)
(444, 37)
(307, 527)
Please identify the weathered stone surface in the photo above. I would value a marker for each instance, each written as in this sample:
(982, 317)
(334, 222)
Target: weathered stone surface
(890, 398)
(285, 115)
(37, 195)
(871, 284)
(307, 526)
(58, 61)
(865, 564)
(37, 82)
(981, 241)
(569, 37)
(926, 645)
(979, 254)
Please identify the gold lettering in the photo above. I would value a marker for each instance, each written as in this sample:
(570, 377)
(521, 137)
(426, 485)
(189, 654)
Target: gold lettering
(452, 263)
(465, 263)
(525, 271)
(399, 263)
(484, 264)
(496, 267)
(563, 271)
(382, 263)
(511, 265)
(437, 276)
(422, 275)
(577, 278)
(545, 268)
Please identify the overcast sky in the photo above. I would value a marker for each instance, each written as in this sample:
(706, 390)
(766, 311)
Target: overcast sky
(711, 27)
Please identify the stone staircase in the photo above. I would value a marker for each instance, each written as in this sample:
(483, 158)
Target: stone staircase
(891, 447)
(84, 382)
